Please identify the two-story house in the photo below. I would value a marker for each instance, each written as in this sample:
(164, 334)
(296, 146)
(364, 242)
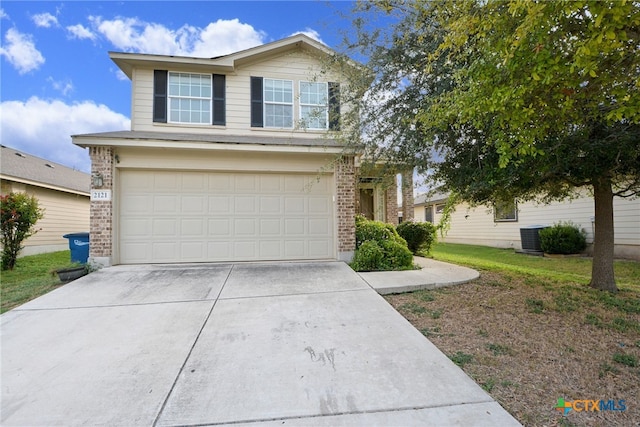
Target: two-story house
(231, 158)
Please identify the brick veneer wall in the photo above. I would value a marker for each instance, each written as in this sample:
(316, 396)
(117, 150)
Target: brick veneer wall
(345, 179)
(101, 212)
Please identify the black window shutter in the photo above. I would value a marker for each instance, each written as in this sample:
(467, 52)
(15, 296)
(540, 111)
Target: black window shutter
(219, 113)
(257, 120)
(160, 96)
(334, 106)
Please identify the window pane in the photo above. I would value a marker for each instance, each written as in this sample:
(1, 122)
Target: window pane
(189, 98)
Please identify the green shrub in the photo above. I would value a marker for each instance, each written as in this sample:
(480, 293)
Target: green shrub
(375, 230)
(420, 236)
(19, 213)
(563, 238)
(396, 256)
(368, 257)
(379, 247)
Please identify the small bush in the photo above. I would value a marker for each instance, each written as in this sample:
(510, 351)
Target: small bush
(375, 230)
(563, 238)
(368, 257)
(379, 247)
(19, 213)
(396, 256)
(420, 236)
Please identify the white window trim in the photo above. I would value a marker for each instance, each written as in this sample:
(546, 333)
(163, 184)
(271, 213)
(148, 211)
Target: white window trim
(325, 106)
(170, 97)
(265, 103)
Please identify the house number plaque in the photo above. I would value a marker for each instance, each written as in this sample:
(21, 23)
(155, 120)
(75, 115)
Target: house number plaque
(101, 195)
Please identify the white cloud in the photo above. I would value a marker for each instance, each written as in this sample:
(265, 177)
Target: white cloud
(3, 14)
(21, 52)
(309, 32)
(62, 86)
(218, 38)
(79, 31)
(44, 127)
(45, 20)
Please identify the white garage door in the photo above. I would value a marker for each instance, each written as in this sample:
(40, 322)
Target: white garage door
(169, 216)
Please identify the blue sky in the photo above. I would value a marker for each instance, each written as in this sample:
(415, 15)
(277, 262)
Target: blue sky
(57, 79)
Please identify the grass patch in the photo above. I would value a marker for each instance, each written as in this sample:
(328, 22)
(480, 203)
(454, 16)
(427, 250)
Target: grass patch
(562, 338)
(31, 278)
(499, 350)
(461, 358)
(577, 270)
(626, 359)
(534, 305)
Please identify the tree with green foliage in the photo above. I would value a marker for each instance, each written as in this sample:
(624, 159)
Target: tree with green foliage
(19, 213)
(503, 99)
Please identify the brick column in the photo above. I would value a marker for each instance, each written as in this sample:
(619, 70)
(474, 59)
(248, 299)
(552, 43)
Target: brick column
(407, 195)
(101, 212)
(346, 207)
(391, 201)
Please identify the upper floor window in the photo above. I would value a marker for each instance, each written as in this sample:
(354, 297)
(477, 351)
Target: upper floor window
(278, 103)
(272, 104)
(314, 111)
(189, 98)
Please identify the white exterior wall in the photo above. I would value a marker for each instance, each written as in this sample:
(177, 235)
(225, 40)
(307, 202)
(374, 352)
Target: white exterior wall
(476, 225)
(297, 66)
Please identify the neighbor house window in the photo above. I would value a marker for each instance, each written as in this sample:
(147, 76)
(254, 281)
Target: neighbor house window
(428, 213)
(504, 211)
(314, 111)
(189, 98)
(278, 103)
(439, 208)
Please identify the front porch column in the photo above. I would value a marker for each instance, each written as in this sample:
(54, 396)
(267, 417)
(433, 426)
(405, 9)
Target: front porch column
(407, 195)
(345, 179)
(101, 211)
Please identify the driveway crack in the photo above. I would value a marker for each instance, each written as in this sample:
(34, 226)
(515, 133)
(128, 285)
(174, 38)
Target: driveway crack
(195, 341)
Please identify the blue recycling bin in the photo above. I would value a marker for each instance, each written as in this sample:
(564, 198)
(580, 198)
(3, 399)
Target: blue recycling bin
(79, 246)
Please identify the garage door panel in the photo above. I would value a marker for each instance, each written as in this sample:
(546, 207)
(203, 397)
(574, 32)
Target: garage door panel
(165, 204)
(220, 205)
(179, 216)
(270, 227)
(193, 205)
(219, 228)
(136, 227)
(192, 251)
(192, 227)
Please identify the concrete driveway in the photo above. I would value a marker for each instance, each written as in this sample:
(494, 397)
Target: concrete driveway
(248, 344)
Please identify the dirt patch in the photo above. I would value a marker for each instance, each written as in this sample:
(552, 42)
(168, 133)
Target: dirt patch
(529, 342)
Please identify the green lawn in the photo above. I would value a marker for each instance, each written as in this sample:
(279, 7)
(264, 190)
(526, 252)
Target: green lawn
(576, 270)
(31, 278)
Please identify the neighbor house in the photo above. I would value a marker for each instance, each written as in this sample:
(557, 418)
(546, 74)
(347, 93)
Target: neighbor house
(62, 192)
(499, 226)
(232, 158)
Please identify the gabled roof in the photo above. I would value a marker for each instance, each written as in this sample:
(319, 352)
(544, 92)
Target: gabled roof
(226, 63)
(25, 168)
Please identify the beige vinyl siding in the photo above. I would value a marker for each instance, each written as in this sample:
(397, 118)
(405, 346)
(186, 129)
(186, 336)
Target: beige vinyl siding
(64, 213)
(295, 66)
(476, 225)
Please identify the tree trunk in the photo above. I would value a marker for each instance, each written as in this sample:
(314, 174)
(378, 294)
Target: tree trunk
(602, 275)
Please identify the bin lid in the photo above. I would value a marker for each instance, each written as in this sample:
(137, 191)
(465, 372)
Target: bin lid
(534, 226)
(76, 235)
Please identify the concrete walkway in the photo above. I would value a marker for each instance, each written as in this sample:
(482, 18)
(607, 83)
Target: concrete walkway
(242, 344)
(433, 274)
